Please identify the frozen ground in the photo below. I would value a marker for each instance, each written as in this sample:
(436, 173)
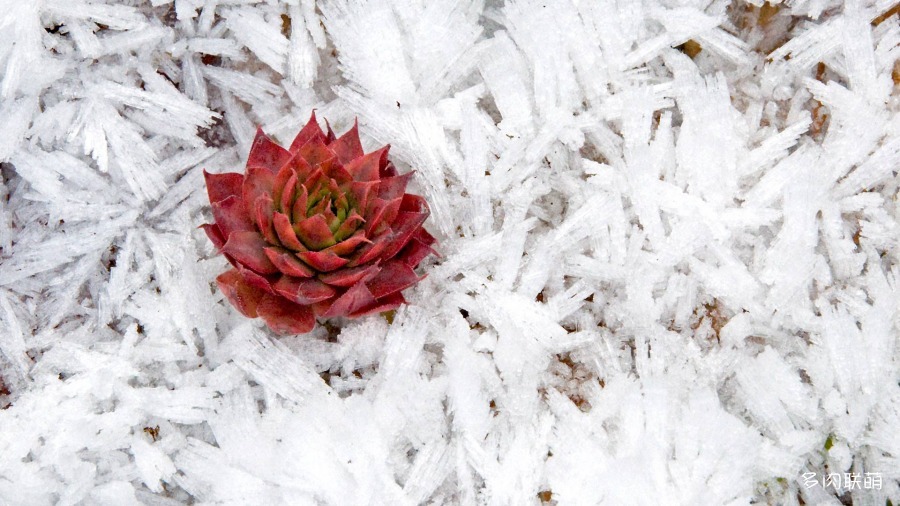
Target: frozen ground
(669, 235)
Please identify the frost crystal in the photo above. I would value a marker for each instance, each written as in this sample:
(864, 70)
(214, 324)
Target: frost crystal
(670, 242)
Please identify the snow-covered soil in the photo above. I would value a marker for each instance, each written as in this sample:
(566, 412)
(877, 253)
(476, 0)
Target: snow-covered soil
(669, 236)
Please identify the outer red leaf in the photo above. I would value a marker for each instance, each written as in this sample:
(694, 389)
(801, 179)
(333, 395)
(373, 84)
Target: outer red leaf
(218, 240)
(394, 277)
(371, 252)
(390, 188)
(392, 301)
(231, 216)
(414, 204)
(284, 317)
(354, 299)
(300, 167)
(307, 133)
(221, 186)
(417, 248)
(242, 296)
(424, 237)
(316, 152)
(337, 172)
(349, 277)
(347, 147)
(266, 154)
(259, 181)
(407, 223)
(255, 280)
(382, 215)
(304, 291)
(329, 135)
(248, 249)
(366, 167)
(214, 234)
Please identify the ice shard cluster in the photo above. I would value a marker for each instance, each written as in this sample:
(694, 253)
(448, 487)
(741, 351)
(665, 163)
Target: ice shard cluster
(668, 237)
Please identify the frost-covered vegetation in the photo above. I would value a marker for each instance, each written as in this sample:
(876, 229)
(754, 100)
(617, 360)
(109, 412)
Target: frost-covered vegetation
(669, 254)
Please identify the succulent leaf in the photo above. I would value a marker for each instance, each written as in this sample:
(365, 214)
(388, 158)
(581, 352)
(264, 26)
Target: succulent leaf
(348, 277)
(214, 234)
(285, 317)
(286, 234)
(259, 181)
(221, 186)
(394, 277)
(309, 132)
(354, 299)
(241, 295)
(348, 147)
(303, 291)
(266, 154)
(231, 216)
(248, 249)
(388, 303)
(288, 263)
(314, 232)
(365, 168)
(264, 213)
(322, 261)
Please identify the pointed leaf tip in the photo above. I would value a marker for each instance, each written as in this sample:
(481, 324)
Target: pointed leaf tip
(316, 152)
(266, 153)
(348, 146)
(366, 167)
(309, 132)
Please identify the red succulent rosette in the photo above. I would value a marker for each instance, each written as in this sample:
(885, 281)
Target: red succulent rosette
(320, 229)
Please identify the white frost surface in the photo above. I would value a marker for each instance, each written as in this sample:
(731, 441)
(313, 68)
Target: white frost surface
(665, 279)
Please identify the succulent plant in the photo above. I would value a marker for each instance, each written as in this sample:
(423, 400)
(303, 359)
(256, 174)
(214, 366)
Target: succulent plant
(320, 229)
